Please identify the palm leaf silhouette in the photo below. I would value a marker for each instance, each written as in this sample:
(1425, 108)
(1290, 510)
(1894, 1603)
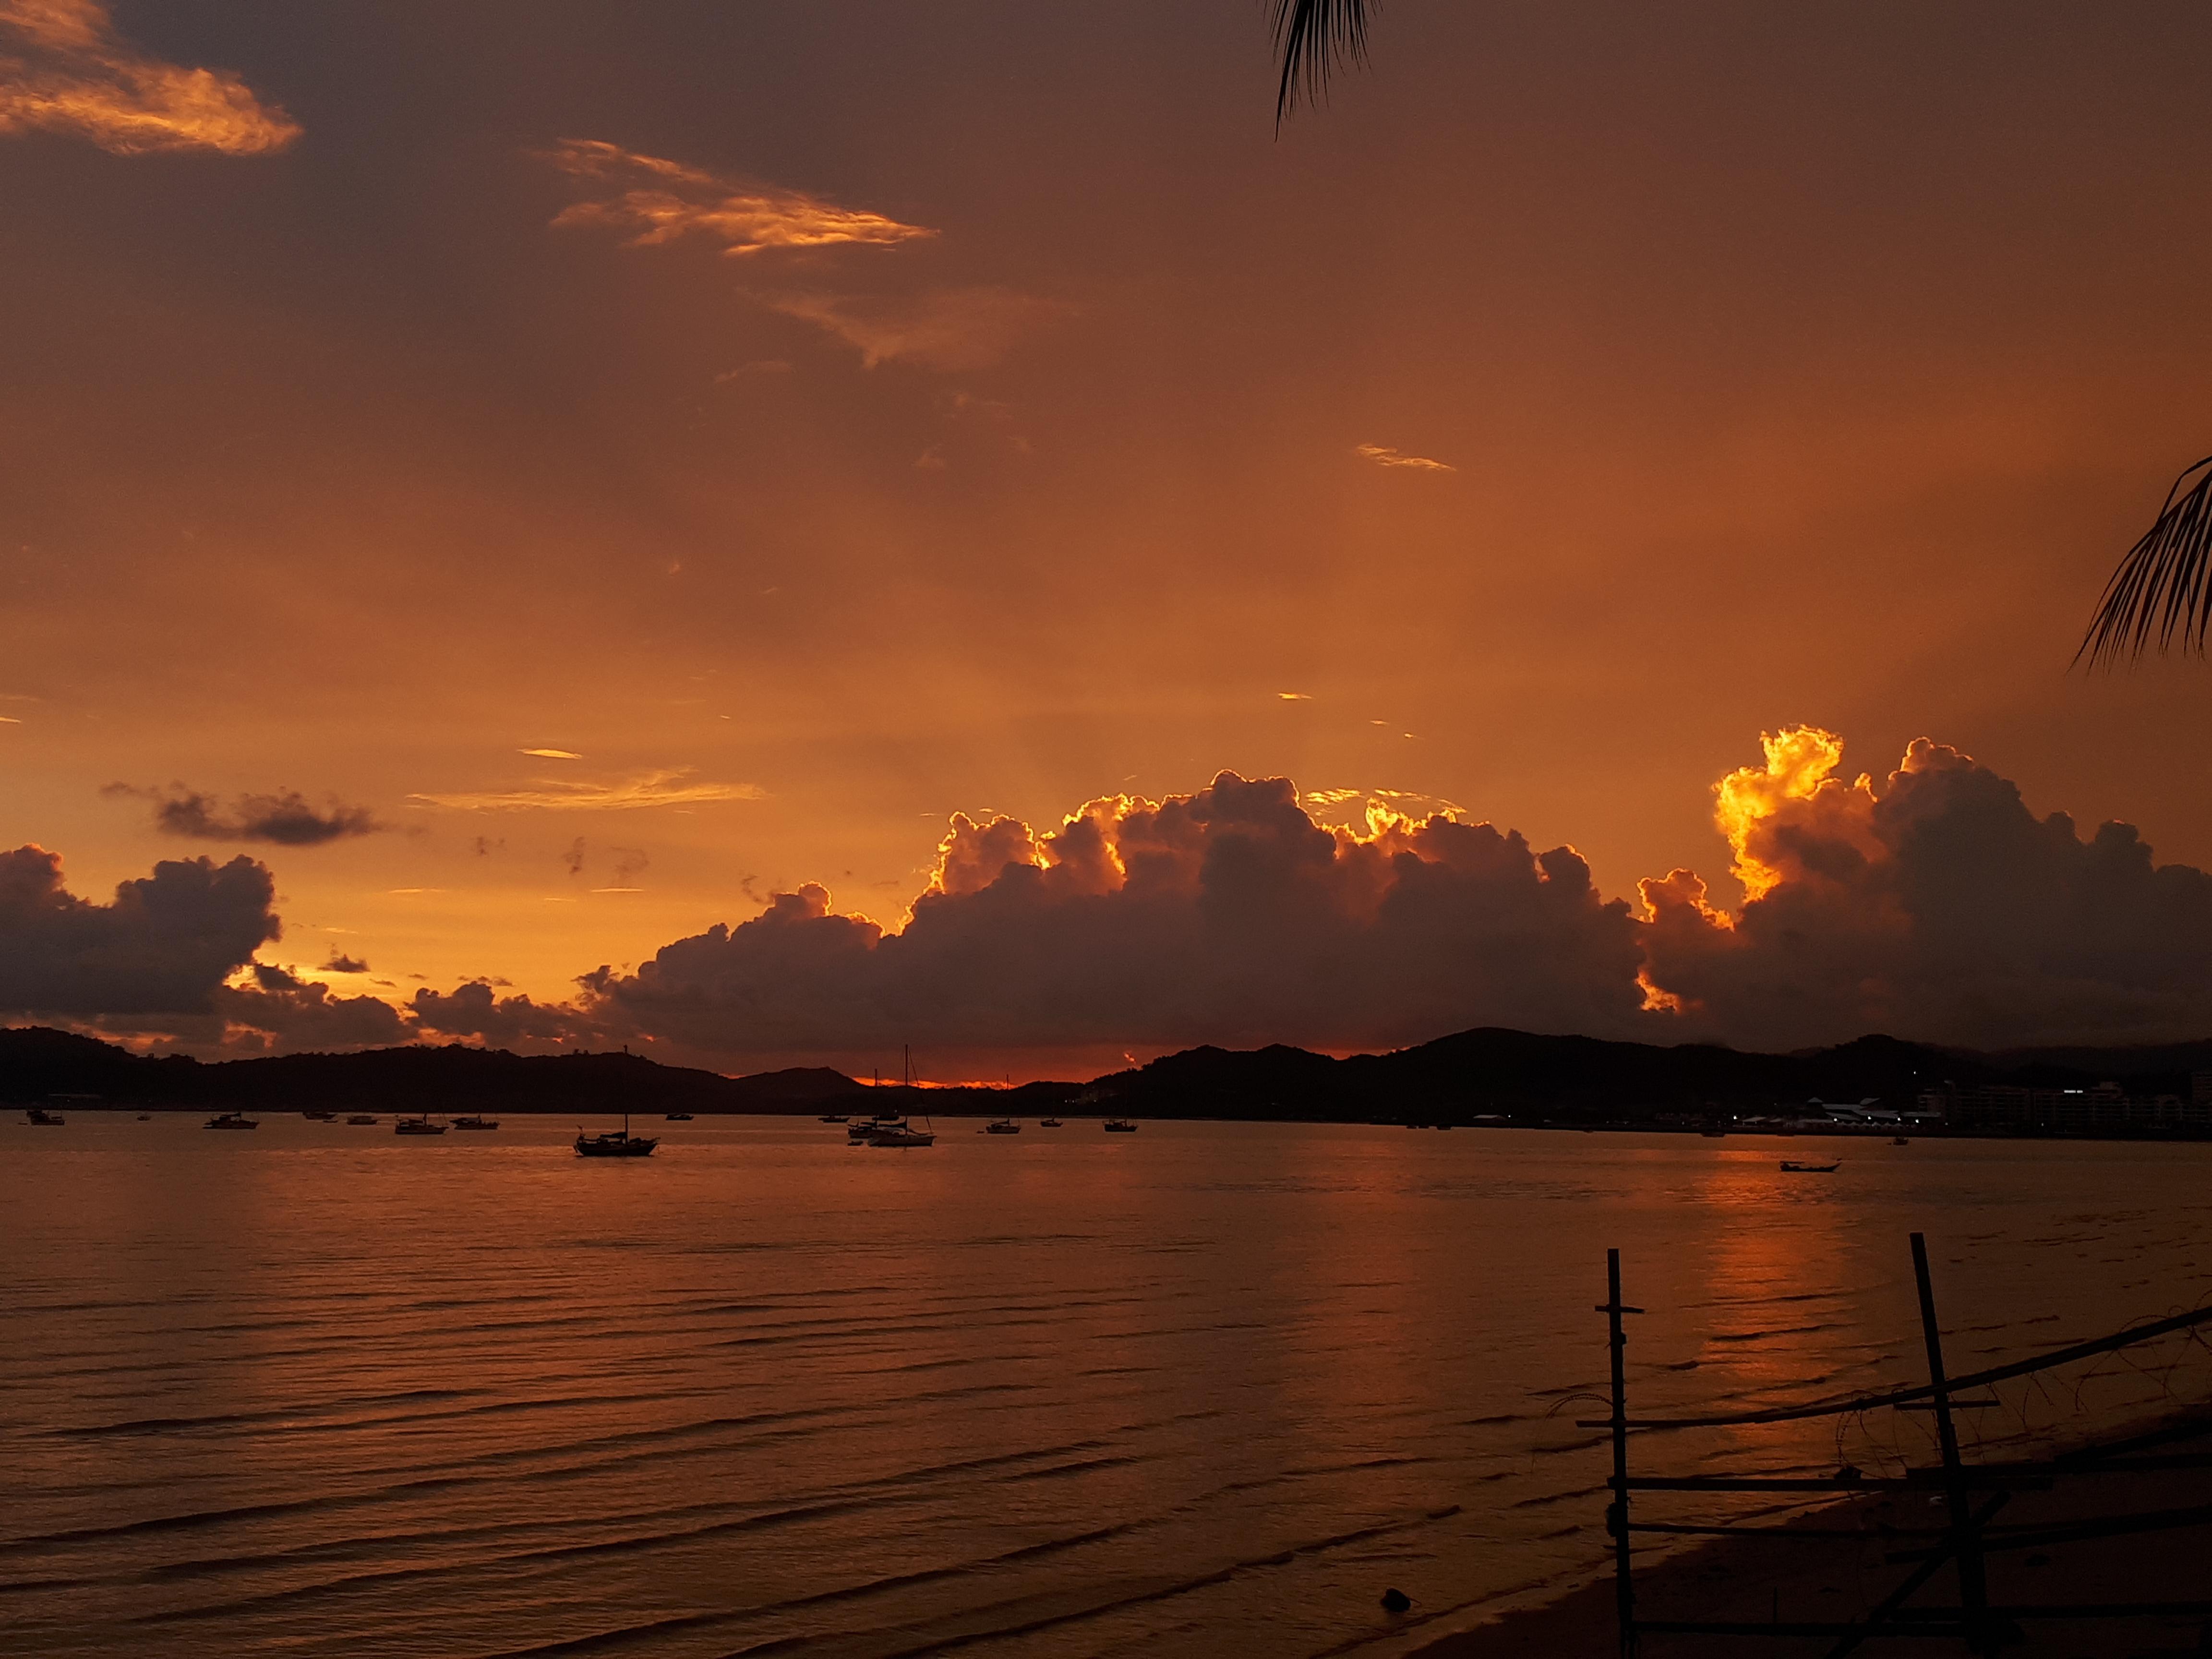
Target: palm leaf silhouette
(2164, 586)
(1314, 36)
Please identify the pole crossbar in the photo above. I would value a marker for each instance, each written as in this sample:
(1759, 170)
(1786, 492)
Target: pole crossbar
(2133, 1334)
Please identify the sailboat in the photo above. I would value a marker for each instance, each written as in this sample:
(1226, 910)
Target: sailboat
(615, 1143)
(1004, 1126)
(897, 1132)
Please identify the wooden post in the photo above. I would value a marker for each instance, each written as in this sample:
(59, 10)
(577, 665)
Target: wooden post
(1966, 1536)
(1624, 1587)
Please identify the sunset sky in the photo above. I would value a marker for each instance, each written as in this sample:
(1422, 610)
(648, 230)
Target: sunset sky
(618, 463)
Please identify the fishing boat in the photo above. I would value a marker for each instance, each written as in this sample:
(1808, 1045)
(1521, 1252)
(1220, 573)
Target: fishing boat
(1004, 1126)
(232, 1120)
(416, 1126)
(475, 1121)
(677, 1117)
(1120, 1125)
(615, 1143)
(361, 1118)
(40, 1118)
(1048, 1123)
(1791, 1167)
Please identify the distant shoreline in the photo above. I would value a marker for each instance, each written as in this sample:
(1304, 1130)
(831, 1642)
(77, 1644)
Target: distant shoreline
(1483, 1078)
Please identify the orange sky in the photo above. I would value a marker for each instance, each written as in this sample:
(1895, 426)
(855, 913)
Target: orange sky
(819, 420)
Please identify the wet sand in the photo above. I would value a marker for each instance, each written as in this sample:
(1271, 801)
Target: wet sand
(1804, 1577)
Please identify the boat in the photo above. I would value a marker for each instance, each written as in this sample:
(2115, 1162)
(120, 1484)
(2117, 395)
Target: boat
(902, 1134)
(475, 1121)
(145, 1117)
(43, 1119)
(360, 1118)
(1713, 1134)
(679, 1117)
(1120, 1125)
(889, 1128)
(232, 1120)
(416, 1126)
(833, 1117)
(1004, 1126)
(1048, 1123)
(1790, 1167)
(858, 1134)
(615, 1143)
(1900, 1140)
(317, 1117)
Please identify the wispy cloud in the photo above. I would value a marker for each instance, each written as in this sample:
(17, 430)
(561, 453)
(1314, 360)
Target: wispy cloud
(951, 328)
(655, 201)
(1382, 455)
(63, 68)
(668, 788)
(286, 818)
(551, 754)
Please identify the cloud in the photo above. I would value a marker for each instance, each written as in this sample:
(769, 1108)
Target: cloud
(1933, 905)
(1225, 916)
(165, 943)
(551, 754)
(655, 201)
(471, 1010)
(666, 788)
(63, 69)
(342, 963)
(949, 328)
(285, 818)
(1383, 456)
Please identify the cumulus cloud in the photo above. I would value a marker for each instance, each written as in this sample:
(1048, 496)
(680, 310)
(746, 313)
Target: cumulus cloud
(63, 69)
(666, 788)
(1383, 456)
(1932, 905)
(950, 328)
(342, 963)
(165, 943)
(287, 818)
(276, 1011)
(655, 201)
(1228, 915)
(473, 1010)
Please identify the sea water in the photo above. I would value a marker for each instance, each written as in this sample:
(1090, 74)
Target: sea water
(323, 1391)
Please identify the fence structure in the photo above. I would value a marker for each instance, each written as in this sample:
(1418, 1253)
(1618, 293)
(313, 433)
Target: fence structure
(1972, 1495)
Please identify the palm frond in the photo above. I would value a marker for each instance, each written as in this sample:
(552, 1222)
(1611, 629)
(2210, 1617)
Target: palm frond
(2164, 586)
(1315, 36)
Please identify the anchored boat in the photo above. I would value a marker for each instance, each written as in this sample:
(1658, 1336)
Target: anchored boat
(615, 1143)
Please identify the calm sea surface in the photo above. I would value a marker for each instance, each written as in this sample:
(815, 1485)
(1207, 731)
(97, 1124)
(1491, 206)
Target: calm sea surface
(321, 1391)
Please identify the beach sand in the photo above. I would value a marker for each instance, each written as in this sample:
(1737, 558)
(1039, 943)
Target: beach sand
(1796, 1576)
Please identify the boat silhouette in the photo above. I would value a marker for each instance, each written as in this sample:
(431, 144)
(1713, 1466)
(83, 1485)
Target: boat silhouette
(615, 1143)
(232, 1120)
